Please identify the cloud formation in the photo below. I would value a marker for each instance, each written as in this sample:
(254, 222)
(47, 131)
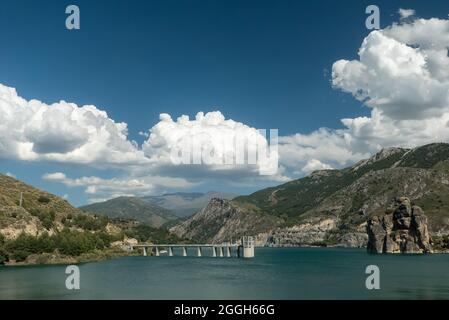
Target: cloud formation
(62, 132)
(399, 80)
(212, 143)
(160, 173)
(109, 188)
(321, 149)
(406, 13)
(402, 74)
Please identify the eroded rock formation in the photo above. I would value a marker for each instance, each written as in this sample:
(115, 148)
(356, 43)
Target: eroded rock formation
(402, 229)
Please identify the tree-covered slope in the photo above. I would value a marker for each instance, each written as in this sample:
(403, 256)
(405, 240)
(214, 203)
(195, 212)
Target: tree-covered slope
(132, 208)
(47, 229)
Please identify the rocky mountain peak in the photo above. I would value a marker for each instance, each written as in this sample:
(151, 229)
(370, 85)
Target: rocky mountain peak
(317, 174)
(379, 156)
(386, 152)
(222, 221)
(184, 204)
(217, 202)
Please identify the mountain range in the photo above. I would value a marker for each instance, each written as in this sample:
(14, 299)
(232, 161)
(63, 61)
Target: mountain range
(184, 204)
(132, 208)
(328, 207)
(155, 211)
(331, 207)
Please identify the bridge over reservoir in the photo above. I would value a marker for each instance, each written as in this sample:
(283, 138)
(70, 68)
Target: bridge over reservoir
(245, 249)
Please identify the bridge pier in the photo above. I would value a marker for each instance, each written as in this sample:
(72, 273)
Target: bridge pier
(226, 249)
(248, 247)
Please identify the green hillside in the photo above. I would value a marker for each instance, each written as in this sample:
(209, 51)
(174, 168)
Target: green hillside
(47, 229)
(332, 206)
(296, 197)
(184, 204)
(132, 208)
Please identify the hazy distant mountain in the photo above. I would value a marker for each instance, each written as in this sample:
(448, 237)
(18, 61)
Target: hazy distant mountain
(132, 208)
(186, 204)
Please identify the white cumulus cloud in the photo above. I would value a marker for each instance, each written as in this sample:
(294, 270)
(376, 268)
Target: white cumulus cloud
(62, 132)
(314, 165)
(211, 132)
(212, 144)
(395, 78)
(402, 74)
(406, 13)
(114, 187)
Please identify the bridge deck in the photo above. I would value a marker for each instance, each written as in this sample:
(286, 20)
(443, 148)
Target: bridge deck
(185, 245)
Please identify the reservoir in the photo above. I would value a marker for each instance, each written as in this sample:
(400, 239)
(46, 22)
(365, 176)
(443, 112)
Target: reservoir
(275, 273)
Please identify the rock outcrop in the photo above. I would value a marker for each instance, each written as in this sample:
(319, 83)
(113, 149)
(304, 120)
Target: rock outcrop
(312, 232)
(221, 221)
(403, 229)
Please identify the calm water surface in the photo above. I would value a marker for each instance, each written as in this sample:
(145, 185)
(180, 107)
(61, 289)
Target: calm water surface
(275, 273)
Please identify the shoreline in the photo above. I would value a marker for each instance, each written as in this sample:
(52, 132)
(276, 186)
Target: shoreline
(115, 253)
(52, 259)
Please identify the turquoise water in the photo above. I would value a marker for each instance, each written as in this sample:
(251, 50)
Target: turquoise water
(275, 273)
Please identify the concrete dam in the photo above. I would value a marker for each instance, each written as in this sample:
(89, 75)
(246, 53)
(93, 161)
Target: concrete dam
(244, 249)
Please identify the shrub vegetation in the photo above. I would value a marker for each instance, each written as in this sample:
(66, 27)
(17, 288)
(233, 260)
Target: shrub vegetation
(66, 242)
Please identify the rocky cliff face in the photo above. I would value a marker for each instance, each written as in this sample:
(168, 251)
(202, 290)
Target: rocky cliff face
(308, 233)
(403, 229)
(221, 221)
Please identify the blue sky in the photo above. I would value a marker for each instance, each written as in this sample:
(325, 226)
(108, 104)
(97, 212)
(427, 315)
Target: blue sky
(266, 64)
